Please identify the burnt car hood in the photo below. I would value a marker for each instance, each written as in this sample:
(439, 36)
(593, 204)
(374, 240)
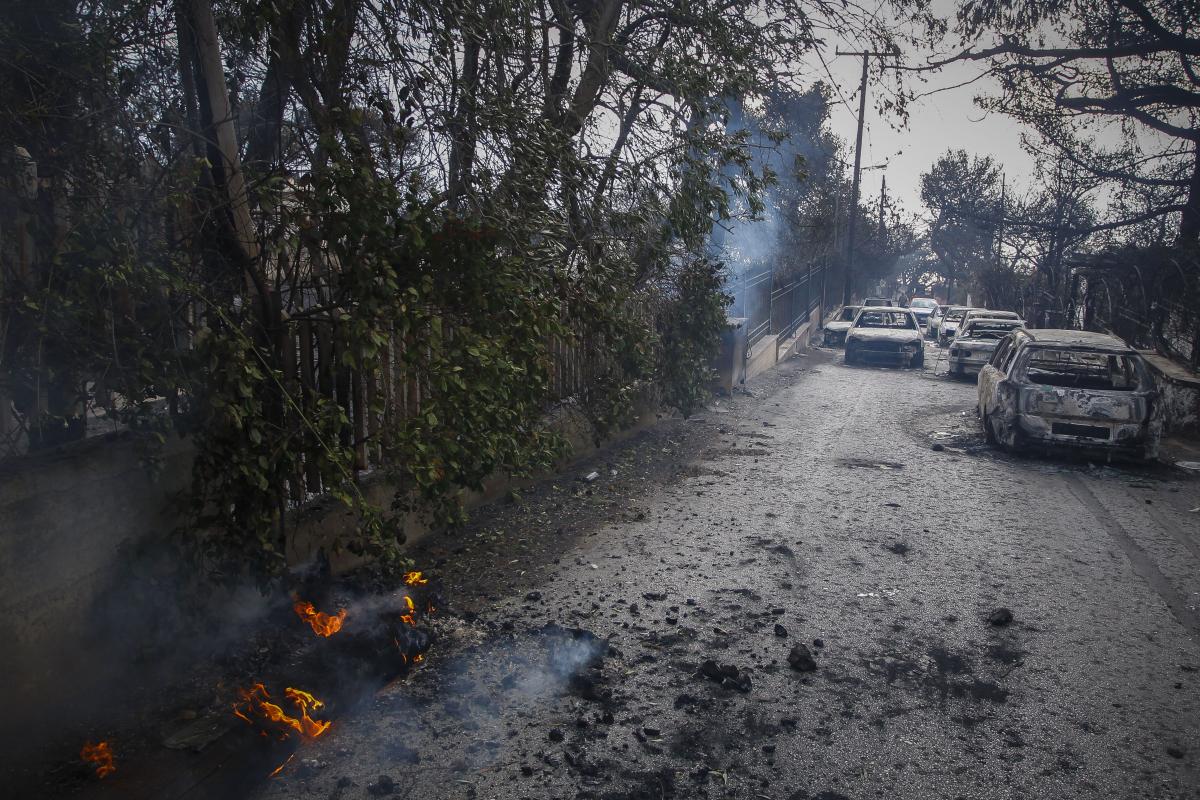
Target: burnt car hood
(838, 326)
(885, 335)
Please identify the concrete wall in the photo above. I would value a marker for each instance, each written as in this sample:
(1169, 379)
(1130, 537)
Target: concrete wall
(770, 350)
(67, 519)
(1179, 390)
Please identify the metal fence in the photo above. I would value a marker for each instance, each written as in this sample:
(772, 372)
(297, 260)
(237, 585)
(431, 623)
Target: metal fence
(775, 304)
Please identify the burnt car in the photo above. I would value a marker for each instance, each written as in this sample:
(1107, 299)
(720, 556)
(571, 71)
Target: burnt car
(885, 335)
(1069, 389)
(835, 330)
(935, 320)
(950, 322)
(990, 313)
(879, 302)
(976, 341)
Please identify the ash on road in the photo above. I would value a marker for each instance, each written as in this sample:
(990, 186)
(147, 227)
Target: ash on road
(817, 513)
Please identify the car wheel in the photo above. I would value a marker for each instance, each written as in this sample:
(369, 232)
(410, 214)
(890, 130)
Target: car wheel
(849, 357)
(918, 361)
(989, 430)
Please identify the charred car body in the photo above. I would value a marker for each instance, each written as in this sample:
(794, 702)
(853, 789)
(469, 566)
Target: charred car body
(990, 314)
(835, 330)
(885, 335)
(976, 341)
(935, 321)
(948, 326)
(1069, 389)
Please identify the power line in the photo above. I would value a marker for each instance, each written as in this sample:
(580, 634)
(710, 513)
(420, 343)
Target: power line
(847, 288)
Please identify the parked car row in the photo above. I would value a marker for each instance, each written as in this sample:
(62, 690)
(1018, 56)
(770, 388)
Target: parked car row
(1036, 389)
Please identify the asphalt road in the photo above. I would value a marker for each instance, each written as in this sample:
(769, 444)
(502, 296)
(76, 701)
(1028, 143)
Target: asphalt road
(819, 505)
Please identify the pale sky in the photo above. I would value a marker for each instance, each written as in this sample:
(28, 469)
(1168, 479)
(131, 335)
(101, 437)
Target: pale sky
(947, 119)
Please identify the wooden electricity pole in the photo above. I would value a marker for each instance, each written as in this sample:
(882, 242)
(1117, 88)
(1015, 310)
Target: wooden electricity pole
(847, 287)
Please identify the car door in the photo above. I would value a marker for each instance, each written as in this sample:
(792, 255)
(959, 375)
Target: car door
(992, 373)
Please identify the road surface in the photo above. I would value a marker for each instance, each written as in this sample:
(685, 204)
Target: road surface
(822, 506)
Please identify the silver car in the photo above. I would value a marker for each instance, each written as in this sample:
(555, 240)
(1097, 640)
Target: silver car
(976, 340)
(923, 307)
(1069, 389)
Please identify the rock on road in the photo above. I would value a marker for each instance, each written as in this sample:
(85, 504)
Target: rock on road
(818, 513)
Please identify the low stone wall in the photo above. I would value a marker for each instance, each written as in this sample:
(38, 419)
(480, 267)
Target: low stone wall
(68, 521)
(770, 350)
(1179, 393)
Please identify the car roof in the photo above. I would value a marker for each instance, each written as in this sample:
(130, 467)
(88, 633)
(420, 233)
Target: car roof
(895, 309)
(996, 320)
(1073, 338)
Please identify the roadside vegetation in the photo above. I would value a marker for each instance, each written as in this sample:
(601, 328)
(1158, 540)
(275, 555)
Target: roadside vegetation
(321, 238)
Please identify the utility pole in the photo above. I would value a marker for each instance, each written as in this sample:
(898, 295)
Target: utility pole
(847, 288)
(882, 202)
(1000, 224)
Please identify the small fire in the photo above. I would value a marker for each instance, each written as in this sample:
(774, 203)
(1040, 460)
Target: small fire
(256, 702)
(414, 579)
(410, 617)
(279, 769)
(322, 624)
(100, 756)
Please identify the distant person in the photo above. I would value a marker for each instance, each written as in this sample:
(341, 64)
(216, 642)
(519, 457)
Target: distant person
(903, 300)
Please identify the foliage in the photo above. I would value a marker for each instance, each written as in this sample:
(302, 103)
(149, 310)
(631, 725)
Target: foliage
(962, 193)
(1086, 72)
(689, 331)
(434, 199)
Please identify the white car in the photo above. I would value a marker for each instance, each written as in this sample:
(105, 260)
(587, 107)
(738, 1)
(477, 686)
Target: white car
(923, 307)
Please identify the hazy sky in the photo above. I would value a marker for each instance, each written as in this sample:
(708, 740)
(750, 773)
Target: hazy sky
(937, 122)
(948, 119)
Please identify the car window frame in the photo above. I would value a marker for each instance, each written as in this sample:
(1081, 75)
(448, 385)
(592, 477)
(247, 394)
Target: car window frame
(1145, 380)
(1010, 360)
(916, 325)
(1007, 345)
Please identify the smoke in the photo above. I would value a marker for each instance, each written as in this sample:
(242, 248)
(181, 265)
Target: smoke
(751, 246)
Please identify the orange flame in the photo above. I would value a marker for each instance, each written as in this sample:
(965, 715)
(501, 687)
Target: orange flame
(101, 756)
(322, 624)
(279, 769)
(410, 617)
(414, 579)
(256, 701)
